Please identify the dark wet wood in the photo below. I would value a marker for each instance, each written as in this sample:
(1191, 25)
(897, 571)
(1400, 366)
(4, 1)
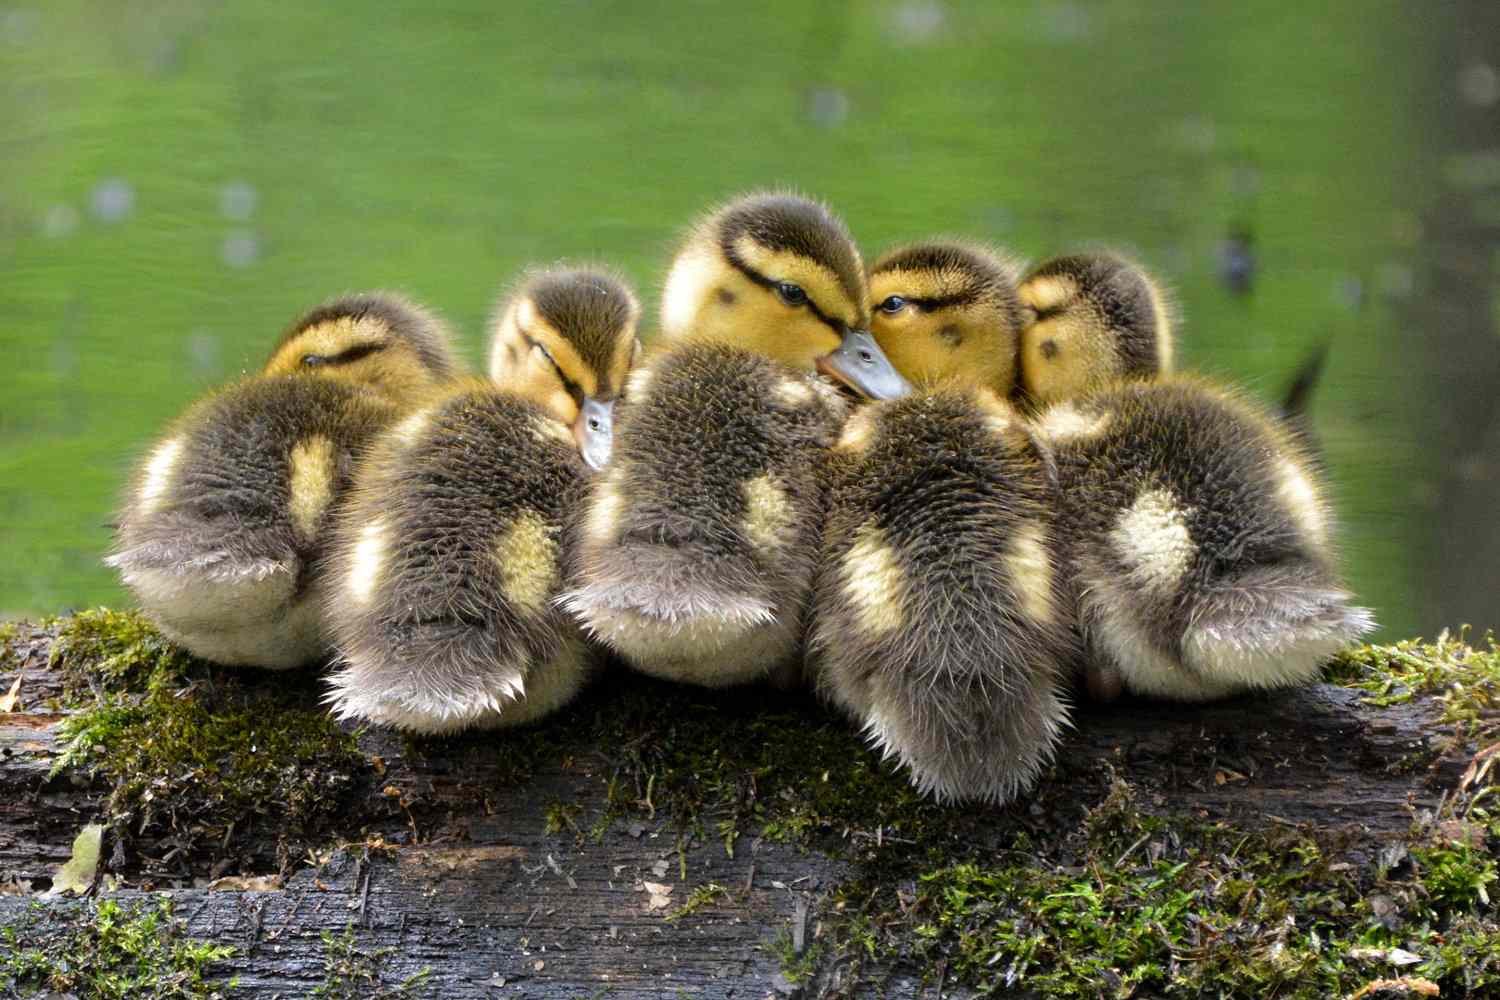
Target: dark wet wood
(473, 888)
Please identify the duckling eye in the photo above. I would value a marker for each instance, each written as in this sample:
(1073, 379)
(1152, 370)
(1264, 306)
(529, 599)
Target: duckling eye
(312, 360)
(892, 305)
(791, 294)
(548, 355)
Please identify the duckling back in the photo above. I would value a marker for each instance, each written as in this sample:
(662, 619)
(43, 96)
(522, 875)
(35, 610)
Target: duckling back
(939, 621)
(223, 524)
(697, 545)
(1198, 542)
(445, 565)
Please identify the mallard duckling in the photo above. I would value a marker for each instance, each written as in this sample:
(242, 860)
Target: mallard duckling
(225, 521)
(450, 552)
(1198, 541)
(949, 312)
(698, 544)
(1194, 528)
(1095, 319)
(939, 620)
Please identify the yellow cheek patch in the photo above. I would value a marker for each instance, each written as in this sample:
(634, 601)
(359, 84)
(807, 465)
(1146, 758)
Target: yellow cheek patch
(1151, 539)
(768, 512)
(1048, 292)
(158, 477)
(366, 561)
(313, 474)
(1030, 570)
(874, 582)
(1084, 358)
(527, 557)
(691, 285)
(820, 284)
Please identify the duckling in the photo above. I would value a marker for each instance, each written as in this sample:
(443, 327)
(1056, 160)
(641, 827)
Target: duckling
(948, 311)
(1196, 534)
(939, 618)
(1198, 541)
(1095, 319)
(449, 555)
(697, 546)
(224, 523)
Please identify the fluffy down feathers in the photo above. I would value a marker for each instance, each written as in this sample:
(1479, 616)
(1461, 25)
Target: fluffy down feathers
(447, 561)
(697, 545)
(939, 622)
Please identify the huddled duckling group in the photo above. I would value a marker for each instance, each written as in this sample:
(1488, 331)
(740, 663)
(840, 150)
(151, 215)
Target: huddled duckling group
(940, 490)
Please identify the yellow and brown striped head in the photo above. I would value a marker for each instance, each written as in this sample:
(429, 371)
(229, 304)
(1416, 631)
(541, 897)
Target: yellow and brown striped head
(1096, 319)
(947, 312)
(567, 340)
(376, 339)
(779, 275)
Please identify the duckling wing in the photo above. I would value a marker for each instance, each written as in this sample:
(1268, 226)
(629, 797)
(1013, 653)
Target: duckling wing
(224, 520)
(1198, 541)
(445, 565)
(938, 619)
(696, 547)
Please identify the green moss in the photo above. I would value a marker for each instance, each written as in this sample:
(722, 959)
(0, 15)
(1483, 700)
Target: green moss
(193, 752)
(1133, 905)
(352, 974)
(704, 895)
(1465, 679)
(1456, 876)
(795, 968)
(108, 951)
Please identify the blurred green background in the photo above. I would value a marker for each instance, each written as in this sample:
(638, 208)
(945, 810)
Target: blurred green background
(179, 179)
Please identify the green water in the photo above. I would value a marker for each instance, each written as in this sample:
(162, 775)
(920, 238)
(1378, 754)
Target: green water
(180, 179)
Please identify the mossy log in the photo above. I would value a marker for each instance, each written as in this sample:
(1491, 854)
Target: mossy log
(655, 839)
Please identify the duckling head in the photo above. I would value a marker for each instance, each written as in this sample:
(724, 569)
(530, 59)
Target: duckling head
(779, 275)
(1099, 318)
(375, 339)
(566, 341)
(948, 312)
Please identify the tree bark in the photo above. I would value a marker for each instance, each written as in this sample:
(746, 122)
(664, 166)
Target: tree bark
(474, 888)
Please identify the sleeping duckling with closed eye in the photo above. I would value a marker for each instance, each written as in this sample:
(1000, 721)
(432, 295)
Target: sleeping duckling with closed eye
(939, 618)
(1194, 530)
(224, 524)
(451, 551)
(1095, 319)
(697, 546)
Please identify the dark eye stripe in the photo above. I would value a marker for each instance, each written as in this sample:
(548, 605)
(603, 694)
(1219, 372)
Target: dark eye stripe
(836, 325)
(345, 357)
(574, 389)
